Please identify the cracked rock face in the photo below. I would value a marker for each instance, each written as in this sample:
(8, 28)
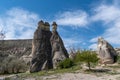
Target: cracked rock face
(59, 52)
(41, 48)
(106, 52)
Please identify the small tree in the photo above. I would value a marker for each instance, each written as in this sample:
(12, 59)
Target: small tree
(87, 57)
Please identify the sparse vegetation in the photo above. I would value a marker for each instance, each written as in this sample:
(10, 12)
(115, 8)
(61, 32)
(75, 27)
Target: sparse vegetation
(67, 63)
(87, 57)
(73, 69)
(12, 65)
(118, 59)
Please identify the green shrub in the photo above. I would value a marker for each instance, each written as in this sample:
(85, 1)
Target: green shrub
(67, 63)
(118, 59)
(77, 57)
(87, 57)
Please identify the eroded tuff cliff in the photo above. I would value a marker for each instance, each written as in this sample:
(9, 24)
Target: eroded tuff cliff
(17, 48)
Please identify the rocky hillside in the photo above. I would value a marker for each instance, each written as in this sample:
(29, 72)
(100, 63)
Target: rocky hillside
(16, 47)
(21, 47)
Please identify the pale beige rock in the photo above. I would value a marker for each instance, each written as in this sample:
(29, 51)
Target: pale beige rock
(58, 56)
(47, 26)
(59, 52)
(106, 52)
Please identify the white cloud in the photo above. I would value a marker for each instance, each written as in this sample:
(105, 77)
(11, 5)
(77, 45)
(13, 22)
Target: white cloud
(110, 16)
(1, 24)
(72, 18)
(106, 13)
(94, 39)
(18, 23)
(93, 46)
(71, 42)
(112, 35)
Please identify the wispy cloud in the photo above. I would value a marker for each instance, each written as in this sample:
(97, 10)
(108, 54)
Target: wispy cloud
(70, 42)
(76, 18)
(106, 13)
(110, 16)
(18, 23)
(93, 46)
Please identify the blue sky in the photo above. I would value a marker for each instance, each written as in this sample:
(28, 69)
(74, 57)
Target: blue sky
(80, 22)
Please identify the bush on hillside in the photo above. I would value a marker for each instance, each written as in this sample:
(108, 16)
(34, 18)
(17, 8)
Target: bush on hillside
(76, 58)
(67, 63)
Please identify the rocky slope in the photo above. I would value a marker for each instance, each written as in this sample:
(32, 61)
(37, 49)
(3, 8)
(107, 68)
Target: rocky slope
(18, 48)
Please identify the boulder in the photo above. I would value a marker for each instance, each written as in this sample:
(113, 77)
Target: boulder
(41, 48)
(59, 51)
(106, 52)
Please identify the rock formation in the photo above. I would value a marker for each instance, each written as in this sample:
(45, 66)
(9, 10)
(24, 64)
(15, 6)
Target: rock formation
(72, 53)
(59, 52)
(41, 48)
(117, 51)
(18, 48)
(106, 52)
(47, 48)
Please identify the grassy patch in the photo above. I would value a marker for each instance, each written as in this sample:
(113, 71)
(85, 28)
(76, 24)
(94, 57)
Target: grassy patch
(49, 72)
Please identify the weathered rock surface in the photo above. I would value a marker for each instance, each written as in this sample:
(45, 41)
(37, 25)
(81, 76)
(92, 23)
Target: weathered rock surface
(106, 52)
(16, 48)
(117, 51)
(41, 48)
(72, 53)
(59, 52)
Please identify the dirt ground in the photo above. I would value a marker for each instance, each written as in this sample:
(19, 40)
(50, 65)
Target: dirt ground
(81, 76)
(99, 73)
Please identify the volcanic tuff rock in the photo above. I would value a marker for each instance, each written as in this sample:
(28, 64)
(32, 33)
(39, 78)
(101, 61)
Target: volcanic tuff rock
(117, 51)
(59, 52)
(106, 52)
(41, 48)
(16, 47)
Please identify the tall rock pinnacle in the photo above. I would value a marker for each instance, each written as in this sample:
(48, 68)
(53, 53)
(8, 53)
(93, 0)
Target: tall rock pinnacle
(59, 52)
(41, 48)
